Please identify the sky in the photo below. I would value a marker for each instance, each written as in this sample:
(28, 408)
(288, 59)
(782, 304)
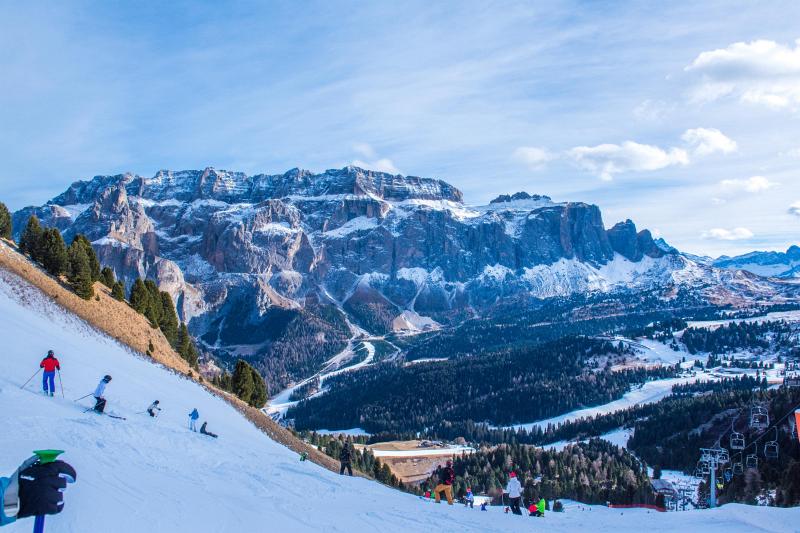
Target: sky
(682, 116)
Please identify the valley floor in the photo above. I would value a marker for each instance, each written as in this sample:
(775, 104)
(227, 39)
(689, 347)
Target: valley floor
(155, 475)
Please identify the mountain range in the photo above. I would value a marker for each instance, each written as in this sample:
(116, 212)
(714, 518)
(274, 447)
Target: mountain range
(285, 269)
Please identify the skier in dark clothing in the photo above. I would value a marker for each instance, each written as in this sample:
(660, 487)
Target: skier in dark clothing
(204, 431)
(344, 460)
(100, 400)
(50, 364)
(154, 409)
(446, 478)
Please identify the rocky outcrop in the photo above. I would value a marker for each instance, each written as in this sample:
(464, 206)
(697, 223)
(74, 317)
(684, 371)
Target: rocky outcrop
(632, 245)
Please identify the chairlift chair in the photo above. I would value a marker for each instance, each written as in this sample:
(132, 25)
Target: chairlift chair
(759, 418)
(771, 447)
(737, 441)
(738, 469)
(723, 456)
(727, 475)
(751, 461)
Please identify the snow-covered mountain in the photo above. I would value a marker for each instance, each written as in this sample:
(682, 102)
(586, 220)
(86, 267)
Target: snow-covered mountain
(773, 264)
(250, 258)
(155, 475)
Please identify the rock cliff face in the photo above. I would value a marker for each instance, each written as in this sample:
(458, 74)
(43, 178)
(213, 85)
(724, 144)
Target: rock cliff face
(248, 258)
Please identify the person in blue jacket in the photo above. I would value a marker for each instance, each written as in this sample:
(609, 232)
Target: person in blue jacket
(34, 489)
(193, 416)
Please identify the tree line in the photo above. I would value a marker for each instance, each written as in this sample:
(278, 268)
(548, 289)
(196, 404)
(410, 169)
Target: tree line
(507, 388)
(245, 382)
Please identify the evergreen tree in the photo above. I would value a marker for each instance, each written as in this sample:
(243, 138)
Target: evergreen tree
(80, 272)
(107, 277)
(53, 252)
(5, 222)
(169, 319)
(140, 297)
(31, 238)
(185, 346)
(243, 384)
(154, 309)
(94, 264)
(118, 291)
(259, 396)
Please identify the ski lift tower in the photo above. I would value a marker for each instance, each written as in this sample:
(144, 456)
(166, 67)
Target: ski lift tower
(714, 458)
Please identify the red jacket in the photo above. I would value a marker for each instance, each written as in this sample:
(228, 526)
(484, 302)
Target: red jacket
(50, 364)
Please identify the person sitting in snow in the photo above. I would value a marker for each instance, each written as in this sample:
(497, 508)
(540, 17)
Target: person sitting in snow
(483, 506)
(50, 364)
(100, 401)
(533, 510)
(193, 416)
(154, 409)
(34, 489)
(204, 431)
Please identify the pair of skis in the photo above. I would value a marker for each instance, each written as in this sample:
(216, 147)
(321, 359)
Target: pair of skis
(104, 413)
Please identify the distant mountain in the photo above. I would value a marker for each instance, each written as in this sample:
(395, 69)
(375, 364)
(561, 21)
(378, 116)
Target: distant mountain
(284, 269)
(771, 264)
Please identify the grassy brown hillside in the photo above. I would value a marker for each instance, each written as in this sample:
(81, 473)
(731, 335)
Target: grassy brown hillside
(119, 321)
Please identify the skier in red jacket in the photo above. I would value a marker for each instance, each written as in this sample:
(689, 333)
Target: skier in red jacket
(50, 364)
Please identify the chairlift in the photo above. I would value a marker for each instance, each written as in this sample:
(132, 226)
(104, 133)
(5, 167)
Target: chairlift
(737, 441)
(751, 461)
(738, 469)
(771, 447)
(759, 418)
(723, 456)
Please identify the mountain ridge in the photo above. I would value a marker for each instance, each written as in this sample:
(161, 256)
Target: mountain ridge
(265, 266)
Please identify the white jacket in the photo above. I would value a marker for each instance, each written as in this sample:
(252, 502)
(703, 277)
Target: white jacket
(101, 388)
(514, 489)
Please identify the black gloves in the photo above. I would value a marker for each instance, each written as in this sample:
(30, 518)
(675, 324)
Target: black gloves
(40, 487)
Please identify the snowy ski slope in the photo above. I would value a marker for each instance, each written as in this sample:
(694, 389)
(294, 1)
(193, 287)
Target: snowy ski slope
(156, 476)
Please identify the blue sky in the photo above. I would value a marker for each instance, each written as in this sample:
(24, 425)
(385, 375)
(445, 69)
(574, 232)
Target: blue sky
(684, 117)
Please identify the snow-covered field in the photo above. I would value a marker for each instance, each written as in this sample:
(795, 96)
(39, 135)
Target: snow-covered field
(788, 316)
(156, 476)
(650, 392)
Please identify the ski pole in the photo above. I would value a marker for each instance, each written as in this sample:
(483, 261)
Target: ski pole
(61, 383)
(29, 379)
(82, 397)
(45, 456)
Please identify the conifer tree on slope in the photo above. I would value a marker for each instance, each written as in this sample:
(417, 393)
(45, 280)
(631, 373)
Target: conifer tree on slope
(185, 346)
(118, 291)
(5, 222)
(140, 297)
(243, 384)
(260, 394)
(153, 311)
(107, 277)
(80, 272)
(31, 238)
(94, 264)
(169, 319)
(53, 252)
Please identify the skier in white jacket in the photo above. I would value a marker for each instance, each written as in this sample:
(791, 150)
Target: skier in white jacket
(98, 394)
(514, 491)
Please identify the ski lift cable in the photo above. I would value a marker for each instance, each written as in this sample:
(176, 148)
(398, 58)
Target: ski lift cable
(774, 426)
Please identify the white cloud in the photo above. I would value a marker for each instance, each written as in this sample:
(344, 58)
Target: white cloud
(794, 152)
(754, 184)
(706, 141)
(761, 72)
(380, 165)
(533, 156)
(371, 161)
(609, 159)
(653, 110)
(722, 234)
(718, 201)
(794, 209)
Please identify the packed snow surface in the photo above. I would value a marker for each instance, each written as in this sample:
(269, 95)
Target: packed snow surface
(155, 475)
(650, 392)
